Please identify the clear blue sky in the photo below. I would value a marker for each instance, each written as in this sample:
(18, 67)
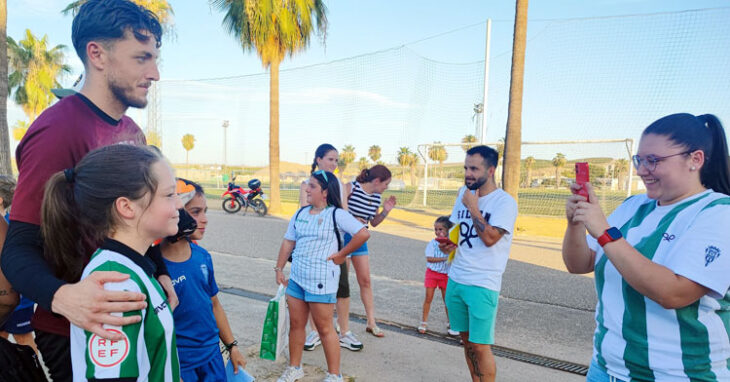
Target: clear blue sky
(202, 49)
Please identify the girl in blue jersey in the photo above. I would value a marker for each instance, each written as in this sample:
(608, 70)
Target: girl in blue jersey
(118, 199)
(312, 239)
(661, 259)
(200, 320)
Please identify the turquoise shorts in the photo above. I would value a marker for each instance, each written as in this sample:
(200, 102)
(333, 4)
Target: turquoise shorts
(472, 309)
(295, 290)
(362, 251)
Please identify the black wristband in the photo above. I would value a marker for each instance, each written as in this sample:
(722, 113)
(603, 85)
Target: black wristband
(231, 345)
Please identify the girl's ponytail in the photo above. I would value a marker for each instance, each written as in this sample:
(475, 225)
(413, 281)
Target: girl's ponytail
(716, 171)
(61, 229)
(376, 172)
(364, 176)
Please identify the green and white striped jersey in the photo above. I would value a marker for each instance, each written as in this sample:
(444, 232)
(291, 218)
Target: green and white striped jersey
(636, 338)
(148, 351)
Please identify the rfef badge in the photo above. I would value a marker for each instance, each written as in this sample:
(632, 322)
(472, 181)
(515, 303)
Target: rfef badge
(108, 353)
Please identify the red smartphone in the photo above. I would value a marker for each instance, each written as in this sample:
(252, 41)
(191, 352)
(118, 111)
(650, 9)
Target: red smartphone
(582, 177)
(444, 240)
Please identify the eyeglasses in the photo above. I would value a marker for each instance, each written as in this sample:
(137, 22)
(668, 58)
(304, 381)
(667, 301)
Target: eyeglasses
(651, 160)
(323, 173)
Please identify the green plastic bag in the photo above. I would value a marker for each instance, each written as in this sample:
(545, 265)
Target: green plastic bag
(275, 335)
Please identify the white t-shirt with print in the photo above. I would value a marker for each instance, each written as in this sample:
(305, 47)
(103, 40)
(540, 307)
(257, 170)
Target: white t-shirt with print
(635, 336)
(475, 263)
(315, 242)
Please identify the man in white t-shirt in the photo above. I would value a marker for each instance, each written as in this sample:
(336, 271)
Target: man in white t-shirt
(485, 217)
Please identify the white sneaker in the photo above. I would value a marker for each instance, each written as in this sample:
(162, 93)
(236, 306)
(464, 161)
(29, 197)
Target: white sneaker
(312, 341)
(349, 341)
(452, 332)
(333, 378)
(291, 374)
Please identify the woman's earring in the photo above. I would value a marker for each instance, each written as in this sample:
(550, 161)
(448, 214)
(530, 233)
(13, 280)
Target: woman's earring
(693, 168)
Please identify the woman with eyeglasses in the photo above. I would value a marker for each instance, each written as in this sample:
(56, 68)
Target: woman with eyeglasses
(311, 240)
(661, 259)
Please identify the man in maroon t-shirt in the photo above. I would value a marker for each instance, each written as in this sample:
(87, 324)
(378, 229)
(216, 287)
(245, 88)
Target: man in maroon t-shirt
(118, 43)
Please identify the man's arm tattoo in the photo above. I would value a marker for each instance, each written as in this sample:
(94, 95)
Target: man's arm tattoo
(479, 223)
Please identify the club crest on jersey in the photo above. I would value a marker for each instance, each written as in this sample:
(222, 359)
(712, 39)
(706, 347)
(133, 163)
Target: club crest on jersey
(108, 353)
(711, 253)
(204, 269)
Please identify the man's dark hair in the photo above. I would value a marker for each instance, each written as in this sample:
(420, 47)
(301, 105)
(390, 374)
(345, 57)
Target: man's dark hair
(108, 20)
(489, 155)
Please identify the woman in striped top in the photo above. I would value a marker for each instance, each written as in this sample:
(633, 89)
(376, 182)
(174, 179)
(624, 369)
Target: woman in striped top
(363, 201)
(660, 260)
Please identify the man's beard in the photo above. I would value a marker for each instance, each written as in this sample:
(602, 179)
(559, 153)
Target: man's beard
(122, 94)
(477, 183)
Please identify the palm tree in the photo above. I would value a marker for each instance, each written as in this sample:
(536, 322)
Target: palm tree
(273, 28)
(404, 159)
(500, 151)
(558, 161)
(36, 70)
(362, 163)
(161, 9)
(374, 153)
(341, 166)
(348, 155)
(513, 141)
(188, 142)
(529, 162)
(5, 165)
(437, 153)
(153, 138)
(19, 130)
(468, 139)
(621, 166)
(413, 164)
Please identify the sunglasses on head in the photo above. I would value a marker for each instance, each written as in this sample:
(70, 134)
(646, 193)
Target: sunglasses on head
(323, 174)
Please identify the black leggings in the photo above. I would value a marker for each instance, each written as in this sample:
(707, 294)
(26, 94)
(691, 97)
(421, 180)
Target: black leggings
(56, 352)
(343, 290)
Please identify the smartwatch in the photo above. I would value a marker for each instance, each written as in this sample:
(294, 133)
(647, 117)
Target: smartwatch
(611, 234)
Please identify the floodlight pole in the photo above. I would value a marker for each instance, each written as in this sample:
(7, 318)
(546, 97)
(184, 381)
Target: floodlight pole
(483, 135)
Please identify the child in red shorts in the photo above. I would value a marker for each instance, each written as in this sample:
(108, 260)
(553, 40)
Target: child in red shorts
(437, 269)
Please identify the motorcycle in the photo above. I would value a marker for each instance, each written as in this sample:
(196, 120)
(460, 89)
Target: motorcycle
(236, 197)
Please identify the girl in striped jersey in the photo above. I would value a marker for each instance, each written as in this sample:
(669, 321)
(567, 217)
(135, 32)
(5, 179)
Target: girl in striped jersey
(325, 159)
(363, 202)
(437, 272)
(312, 239)
(119, 198)
(661, 259)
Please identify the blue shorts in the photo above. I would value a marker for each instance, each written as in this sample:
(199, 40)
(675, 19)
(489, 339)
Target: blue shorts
(212, 371)
(19, 321)
(295, 290)
(597, 374)
(362, 251)
(472, 309)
